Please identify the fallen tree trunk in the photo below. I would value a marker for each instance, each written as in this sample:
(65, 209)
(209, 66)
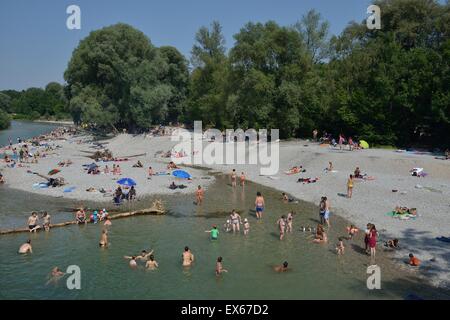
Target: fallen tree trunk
(156, 209)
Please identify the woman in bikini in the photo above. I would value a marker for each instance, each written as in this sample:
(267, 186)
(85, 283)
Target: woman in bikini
(350, 186)
(235, 221)
(233, 178)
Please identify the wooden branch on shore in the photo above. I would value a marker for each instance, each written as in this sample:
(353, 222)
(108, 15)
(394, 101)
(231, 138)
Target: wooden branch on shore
(156, 209)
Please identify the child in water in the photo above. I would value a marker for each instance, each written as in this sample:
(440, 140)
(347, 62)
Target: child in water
(246, 226)
(214, 233)
(340, 247)
(219, 267)
(227, 226)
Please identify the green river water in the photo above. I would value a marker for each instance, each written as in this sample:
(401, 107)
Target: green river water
(317, 272)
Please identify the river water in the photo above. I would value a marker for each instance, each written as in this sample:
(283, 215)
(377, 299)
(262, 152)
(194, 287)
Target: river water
(317, 272)
(24, 130)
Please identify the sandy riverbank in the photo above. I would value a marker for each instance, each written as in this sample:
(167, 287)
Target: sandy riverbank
(370, 203)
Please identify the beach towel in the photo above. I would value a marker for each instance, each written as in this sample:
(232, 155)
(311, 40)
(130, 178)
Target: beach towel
(41, 185)
(405, 216)
(69, 189)
(163, 173)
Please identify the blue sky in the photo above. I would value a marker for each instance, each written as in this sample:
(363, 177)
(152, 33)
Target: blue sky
(35, 45)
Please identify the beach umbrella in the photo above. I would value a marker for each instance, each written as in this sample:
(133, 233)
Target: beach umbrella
(363, 144)
(181, 174)
(53, 171)
(126, 182)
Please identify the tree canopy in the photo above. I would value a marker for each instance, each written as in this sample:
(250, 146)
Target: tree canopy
(116, 78)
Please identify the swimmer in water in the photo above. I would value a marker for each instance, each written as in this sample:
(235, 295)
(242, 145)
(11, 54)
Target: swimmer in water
(233, 178)
(246, 226)
(282, 226)
(104, 239)
(107, 222)
(259, 205)
(132, 263)
(219, 267)
(187, 257)
(289, 221)
(227, 226)
(56, 272)
(242, 179)
(151, 264)
(214, 233)
(143, 256)
(282, 268)
(235, 221)
(26, 248)
(340, 246)
(55, 275)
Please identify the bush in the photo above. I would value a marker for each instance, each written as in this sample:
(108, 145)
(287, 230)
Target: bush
(5, 120)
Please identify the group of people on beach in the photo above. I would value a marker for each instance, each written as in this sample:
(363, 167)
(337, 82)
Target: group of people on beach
(95, 217)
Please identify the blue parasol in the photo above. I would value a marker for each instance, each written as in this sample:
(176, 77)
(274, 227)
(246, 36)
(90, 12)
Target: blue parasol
(181, 174)
(126, 182)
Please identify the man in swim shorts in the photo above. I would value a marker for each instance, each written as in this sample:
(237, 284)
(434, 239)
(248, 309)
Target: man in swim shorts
(33, 222)
(259, 205)
(80, 216)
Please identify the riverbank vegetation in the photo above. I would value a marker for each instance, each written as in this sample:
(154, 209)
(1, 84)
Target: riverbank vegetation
(49, 103)
(388, 86)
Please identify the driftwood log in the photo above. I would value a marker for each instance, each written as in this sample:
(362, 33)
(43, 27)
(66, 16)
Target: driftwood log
(156, 209)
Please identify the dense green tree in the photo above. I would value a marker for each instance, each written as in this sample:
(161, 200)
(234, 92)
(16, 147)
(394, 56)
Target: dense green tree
(207, 90)
(5, 120)
(5, 102)
(314, 33)
(177, 78)
(117, 79)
